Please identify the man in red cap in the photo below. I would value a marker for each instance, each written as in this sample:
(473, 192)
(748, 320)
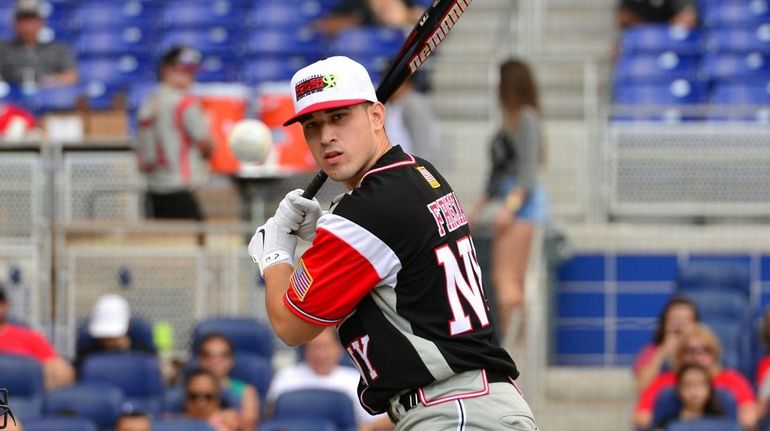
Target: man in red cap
(392, 265)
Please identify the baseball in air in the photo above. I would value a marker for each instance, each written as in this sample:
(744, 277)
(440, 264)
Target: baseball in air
(250, 141)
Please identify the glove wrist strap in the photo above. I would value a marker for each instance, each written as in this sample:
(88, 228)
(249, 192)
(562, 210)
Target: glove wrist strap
(274, 257)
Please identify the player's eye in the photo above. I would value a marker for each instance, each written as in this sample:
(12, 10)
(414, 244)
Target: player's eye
(338, 116)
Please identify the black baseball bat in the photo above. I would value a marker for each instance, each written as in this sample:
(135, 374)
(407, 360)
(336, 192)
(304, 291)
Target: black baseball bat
(425, 37)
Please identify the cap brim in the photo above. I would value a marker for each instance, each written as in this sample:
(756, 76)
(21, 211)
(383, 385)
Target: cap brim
(322, 106)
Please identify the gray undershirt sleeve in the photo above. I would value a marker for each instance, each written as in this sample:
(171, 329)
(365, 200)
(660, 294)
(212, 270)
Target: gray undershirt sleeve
(527, 140)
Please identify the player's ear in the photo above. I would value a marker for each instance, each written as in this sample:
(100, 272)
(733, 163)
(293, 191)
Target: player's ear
(377, 115)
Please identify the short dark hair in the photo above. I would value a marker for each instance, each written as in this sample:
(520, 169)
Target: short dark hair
(660, 331)
(3, 296)
(214, 336)
(131, 414)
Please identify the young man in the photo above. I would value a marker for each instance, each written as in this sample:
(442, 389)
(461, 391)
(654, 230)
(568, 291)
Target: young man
(174, 138)
(392, 265)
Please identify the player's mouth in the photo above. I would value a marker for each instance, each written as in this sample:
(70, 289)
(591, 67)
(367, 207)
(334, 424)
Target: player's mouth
(332, 157)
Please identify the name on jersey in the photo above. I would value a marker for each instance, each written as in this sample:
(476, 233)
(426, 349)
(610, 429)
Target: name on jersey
(448, 213)
(428, 177)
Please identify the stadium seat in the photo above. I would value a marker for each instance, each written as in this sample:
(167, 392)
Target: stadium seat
(119, 71)
(100, 403)
(290, 41)
(60, 424)
(214, 40)
(367, 41)
(132, 41)
(138, 92)
(136, 373)
(656, 38)
(23, 378)
(139, 331)
(655, 68)
(96, 15)
(667, 405)
(62, 98)
(657, 102)
(266, 69)
(739, 40)
(322, 404)
(736, 13)
(297, 425)
(733, 101)
(281, 14)
(192, 14)
(714, 275)
(248, 335)
(751, 67)
(181, 425)
(704, 425)
(254, 369)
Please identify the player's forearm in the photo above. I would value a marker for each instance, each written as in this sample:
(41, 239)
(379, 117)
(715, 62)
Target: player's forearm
(289, 328)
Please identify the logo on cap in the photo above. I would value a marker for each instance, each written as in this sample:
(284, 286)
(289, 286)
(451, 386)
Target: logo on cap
(314, 84)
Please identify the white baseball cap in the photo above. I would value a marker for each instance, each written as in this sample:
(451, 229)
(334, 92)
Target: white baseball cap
(332, 83)
(110, 317)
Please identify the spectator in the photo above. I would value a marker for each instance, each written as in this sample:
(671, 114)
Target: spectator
(203, 402)
(679, 315)
(174, 138)
(520, 203)
(699, 346)
(321, 369)
(411, 122)
(19, 340)
(109, 324)
(25, 59)
(215, 355)
(355, 13)
(696, 395)
(676, 12)
(133, 421)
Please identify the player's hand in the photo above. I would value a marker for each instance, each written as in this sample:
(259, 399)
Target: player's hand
(272, 243)
(301, 214)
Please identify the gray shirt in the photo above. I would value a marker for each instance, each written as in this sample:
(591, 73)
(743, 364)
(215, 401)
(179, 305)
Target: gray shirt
(515, 153)
(43, 59)
(172, 124)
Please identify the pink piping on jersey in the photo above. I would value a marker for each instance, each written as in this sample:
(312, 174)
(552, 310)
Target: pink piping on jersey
(411, 161)
(476, 394)
(184, 151)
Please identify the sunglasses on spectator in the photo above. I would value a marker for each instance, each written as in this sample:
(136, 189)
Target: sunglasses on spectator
(699, 350)
(206, 396)
(216, 353)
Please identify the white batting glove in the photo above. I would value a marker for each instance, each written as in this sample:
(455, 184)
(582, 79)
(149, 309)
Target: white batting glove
(272, 243)
(300, 214)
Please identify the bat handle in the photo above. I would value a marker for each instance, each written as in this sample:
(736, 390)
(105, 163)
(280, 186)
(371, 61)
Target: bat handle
(318, 180)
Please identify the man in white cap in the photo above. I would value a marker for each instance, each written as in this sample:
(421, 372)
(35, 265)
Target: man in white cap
(109, 326)
(392, 264)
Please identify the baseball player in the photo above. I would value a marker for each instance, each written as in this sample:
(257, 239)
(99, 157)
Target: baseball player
(392, 265)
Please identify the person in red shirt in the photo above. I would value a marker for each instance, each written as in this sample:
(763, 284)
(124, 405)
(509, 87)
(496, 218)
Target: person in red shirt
(19, 340)
(700, 346)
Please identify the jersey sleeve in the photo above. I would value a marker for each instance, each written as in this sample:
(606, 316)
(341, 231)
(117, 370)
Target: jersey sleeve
(344, 263)
(196, 123)
(734, 382)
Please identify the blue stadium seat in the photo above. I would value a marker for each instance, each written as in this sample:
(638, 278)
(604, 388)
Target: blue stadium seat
(58, 98)
(739, 40)
(734, 13)
(100, 403)
(139, 331)
(248, 335)
(23, 378)
(656, 38)
(291, 41)
(253, 369)
(720, 305)
(319, 404)
(705, 425)
(280, 14)
(60, 424)
(297, 425)
(738, 102)
(136, 373)
(120, 71)
(138, 92)
(656, 68)
(267, 69)
(94, 15)
(367, 41)
(736, 338)
(219, 67)
(667, 405)
(714, 275)
(191, 14)
(657, 102)
(181, 425)
(132, 40)
(213, 40)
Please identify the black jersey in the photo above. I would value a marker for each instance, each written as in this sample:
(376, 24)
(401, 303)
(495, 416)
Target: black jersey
(394, 266)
